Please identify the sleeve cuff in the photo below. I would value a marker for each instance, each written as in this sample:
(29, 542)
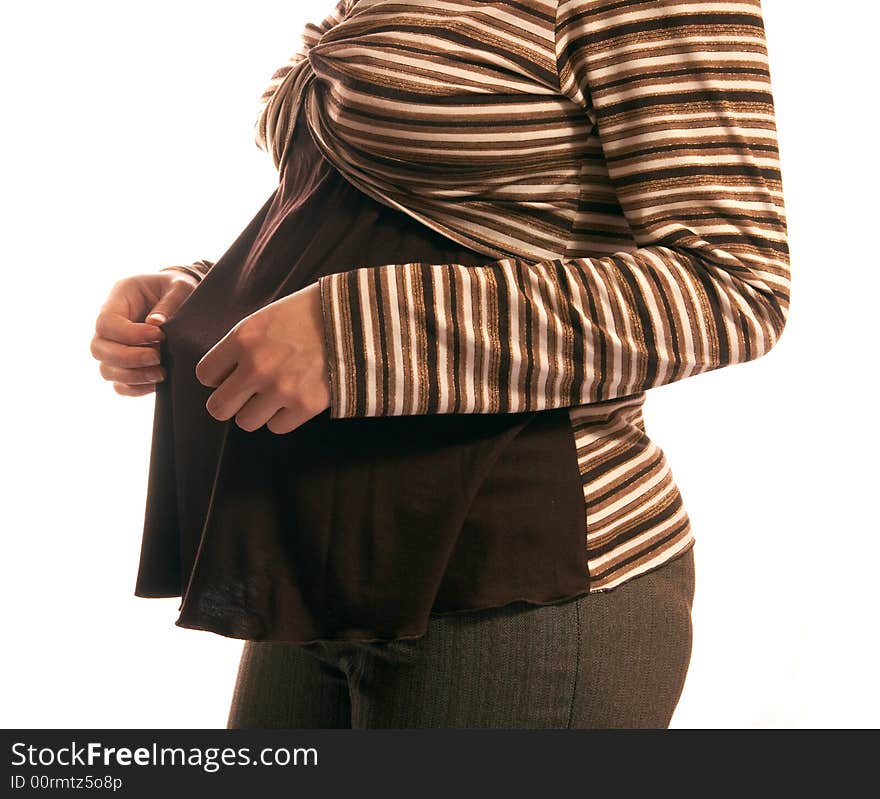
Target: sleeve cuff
(332, 288)
(387, 346)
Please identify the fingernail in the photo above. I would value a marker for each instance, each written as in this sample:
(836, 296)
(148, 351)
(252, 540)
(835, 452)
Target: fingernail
(158, 318)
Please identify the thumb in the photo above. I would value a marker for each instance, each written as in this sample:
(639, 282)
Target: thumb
(169, 303)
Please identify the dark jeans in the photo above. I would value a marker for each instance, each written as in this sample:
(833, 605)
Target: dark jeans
(612, 659)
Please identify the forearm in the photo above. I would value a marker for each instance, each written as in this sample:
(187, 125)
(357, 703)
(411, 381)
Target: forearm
(426, 338)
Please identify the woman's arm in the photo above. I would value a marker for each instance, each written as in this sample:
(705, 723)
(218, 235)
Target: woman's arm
(680, 93)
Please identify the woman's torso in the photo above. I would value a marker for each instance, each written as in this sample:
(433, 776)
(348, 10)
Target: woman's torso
(345, 528)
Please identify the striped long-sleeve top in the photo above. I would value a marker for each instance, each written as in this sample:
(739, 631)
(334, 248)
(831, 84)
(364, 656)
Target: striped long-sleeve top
(619, 158)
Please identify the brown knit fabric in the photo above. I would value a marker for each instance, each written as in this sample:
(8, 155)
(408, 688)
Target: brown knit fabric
(345, 528)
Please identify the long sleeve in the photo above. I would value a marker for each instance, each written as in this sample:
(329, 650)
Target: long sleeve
(680, 96)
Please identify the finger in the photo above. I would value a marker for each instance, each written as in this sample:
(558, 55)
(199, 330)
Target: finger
(133, 391)
(119, 374)
(171, 301)
(257, 411)
(117, 327)
(218, 363)
(227, 399)
(131, 357)
(287, 419)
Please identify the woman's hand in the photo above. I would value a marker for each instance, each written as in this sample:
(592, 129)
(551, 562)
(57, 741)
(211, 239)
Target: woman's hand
(271, 368)
(127, 346)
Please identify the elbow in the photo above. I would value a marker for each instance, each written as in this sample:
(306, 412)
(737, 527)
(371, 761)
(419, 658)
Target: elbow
(764, 301)
(780, 320)
(769, 322)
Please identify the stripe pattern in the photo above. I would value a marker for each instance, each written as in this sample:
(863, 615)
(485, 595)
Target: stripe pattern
(278, 105)
(619, 159)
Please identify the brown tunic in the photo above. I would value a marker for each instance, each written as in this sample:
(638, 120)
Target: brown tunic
(355, 528)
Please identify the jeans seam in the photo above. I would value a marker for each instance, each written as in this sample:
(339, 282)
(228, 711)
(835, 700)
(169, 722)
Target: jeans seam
(577, 662)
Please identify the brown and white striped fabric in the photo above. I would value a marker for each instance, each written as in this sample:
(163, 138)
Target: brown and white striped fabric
(619, 158)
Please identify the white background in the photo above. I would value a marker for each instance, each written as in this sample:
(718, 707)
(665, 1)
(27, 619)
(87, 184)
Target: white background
(128, 145)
